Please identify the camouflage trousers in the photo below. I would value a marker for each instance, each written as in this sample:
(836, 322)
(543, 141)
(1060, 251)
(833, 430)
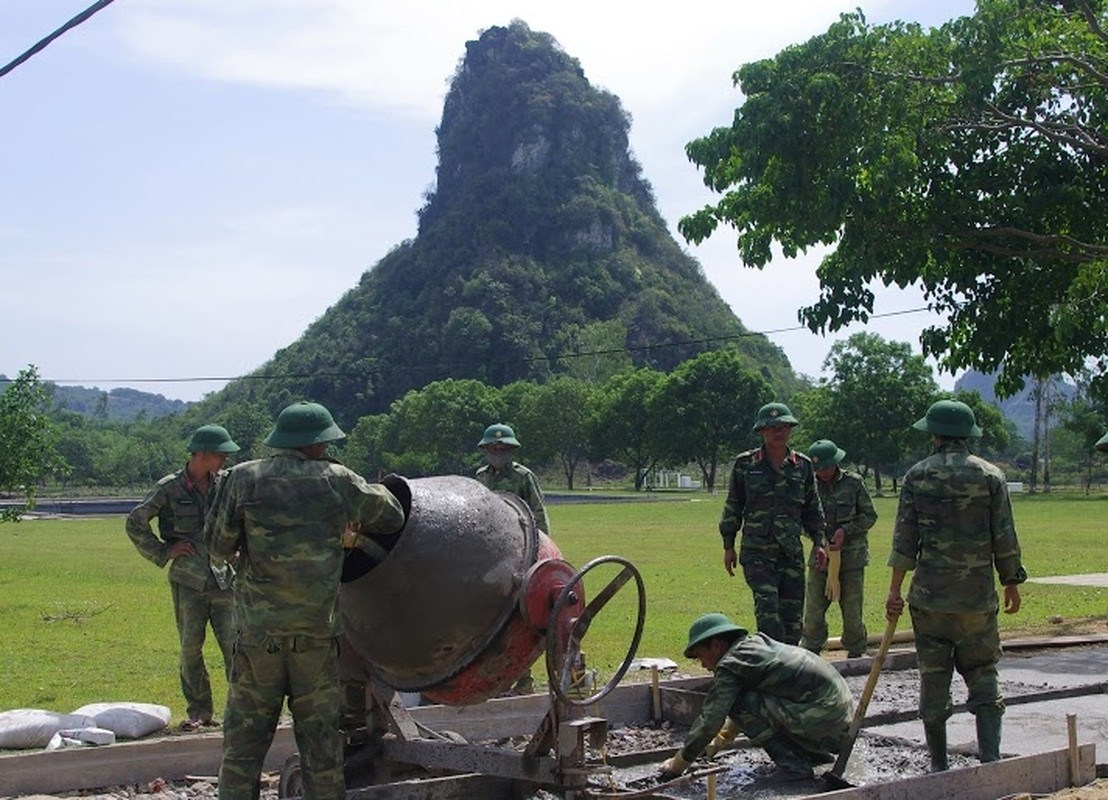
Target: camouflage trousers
(776, 579)
(968, 642)
(304, 669)
(796, 735)
(194, 609)
(816, 603)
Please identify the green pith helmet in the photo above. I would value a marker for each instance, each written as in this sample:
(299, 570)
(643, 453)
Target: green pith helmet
(774, 414)
(1102, 442)
(708, 626)
(499, 434)
(303, 424)
(951, 418)
(212, 439)
(825, 454)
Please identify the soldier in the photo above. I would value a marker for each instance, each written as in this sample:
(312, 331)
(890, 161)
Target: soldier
(773, 498)
(848, 515)
(180, 502)
(503, 473)
(289, 517)
(785, 699)
(953, 527)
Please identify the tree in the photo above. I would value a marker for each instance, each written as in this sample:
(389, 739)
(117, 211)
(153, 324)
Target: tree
(708, 405)
(435, 430)
(877, 389)
(619, 424)
(968, 160)
(1086, 420)
(28, 440)
(553, 419)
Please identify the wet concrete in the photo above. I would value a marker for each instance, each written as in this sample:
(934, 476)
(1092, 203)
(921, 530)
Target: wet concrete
(1028, 728)
(890, 752)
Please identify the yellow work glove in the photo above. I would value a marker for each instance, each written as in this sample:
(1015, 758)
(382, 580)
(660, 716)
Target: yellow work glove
(834, 561)
(672, 767)
(725, 736)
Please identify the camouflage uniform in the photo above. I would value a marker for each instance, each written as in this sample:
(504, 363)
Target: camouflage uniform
(285, 515)
(520, 481)
(953, 527)
(180, 508)
(786, 699)
(773, 508)
(846, 504)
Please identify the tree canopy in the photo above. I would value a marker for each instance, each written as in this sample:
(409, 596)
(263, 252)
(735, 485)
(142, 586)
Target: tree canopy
(28, 439)
(968, 159)
(876, 390)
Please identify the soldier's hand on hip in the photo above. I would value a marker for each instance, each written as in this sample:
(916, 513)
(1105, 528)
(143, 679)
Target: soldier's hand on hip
(182, 547)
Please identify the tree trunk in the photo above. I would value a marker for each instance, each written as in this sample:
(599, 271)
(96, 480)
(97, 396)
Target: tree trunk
(1037, 398)
(1046, 437)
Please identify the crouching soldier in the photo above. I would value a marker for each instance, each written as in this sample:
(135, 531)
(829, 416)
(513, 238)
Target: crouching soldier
(785, 699)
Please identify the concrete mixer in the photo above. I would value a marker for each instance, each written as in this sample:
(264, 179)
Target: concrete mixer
(456, 607)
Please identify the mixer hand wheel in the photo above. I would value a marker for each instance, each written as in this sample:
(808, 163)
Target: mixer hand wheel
(563, 636)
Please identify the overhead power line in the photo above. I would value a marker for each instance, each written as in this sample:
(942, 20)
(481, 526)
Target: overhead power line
(42, 43)
(438, 365)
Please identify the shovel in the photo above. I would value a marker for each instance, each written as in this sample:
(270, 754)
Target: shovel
(834, 776)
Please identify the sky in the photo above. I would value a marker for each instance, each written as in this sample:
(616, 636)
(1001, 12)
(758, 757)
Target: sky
(188, 185)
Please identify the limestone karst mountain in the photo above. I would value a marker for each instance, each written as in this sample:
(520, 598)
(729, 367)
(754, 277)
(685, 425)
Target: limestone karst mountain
(539, 240)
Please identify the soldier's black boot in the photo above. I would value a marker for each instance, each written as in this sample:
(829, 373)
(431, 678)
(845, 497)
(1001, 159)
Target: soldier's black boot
(935, 734)
(988, 733)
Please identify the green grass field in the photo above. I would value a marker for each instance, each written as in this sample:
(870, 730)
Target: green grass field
(86, 619)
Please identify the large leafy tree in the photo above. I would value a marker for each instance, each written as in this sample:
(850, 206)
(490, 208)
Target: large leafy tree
(706, 407)
(429, 431)
(970, 160)
(552, 416)
(618, 422)
(875, 391)
(28, 440)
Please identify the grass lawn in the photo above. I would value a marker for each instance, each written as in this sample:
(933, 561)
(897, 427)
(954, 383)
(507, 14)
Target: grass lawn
(86, 619)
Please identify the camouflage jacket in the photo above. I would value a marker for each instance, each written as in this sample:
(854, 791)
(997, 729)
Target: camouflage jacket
(520, 481)
(757, 663)
(772, 508)
(180, 508)
(846, 504)
(285, 516)
(953, 527)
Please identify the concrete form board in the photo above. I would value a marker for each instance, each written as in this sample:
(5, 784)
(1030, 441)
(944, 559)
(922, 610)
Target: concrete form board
(1042, 773)
(171, 758)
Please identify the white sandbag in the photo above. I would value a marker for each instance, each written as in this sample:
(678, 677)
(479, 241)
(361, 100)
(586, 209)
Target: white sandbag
(80, 737)
(22, 728)
(127, 720)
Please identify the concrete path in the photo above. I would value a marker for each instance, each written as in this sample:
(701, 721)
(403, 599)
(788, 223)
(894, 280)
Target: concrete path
(1088, 579)
(1035, 727)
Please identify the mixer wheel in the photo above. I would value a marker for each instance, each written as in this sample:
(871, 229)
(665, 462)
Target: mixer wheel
(565, 632)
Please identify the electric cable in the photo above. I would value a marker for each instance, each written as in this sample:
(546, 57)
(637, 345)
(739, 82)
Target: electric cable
(258, 377)
(42, 43)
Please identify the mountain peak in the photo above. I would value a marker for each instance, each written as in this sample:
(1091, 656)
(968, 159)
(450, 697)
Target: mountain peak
(540, 241)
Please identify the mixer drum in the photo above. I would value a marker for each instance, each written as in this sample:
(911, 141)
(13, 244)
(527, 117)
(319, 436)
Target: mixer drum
(440, 614)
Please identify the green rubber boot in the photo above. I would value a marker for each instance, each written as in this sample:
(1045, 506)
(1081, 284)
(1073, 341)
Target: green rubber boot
(935, 734)
(988, 733)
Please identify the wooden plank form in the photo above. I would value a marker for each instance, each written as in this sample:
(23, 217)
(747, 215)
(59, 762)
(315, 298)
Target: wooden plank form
(1042, 773)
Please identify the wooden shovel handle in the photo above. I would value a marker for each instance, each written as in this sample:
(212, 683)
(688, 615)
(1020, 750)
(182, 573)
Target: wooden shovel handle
(863, 701)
